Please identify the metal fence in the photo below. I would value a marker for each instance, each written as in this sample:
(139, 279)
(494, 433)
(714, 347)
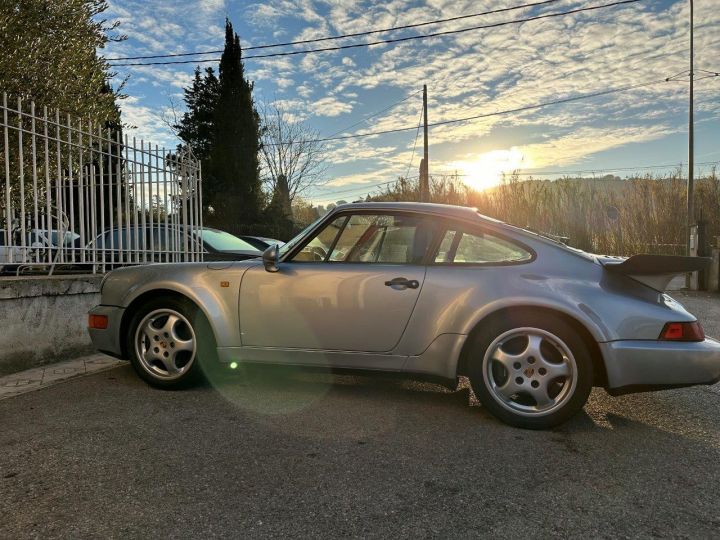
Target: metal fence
(79, 197)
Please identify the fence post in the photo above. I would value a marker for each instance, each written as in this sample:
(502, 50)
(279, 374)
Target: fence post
(8, 192)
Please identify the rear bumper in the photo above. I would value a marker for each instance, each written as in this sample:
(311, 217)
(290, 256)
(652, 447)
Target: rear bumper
(109, 340)
(635, 366)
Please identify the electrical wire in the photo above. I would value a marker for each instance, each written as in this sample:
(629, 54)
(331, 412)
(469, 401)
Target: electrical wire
(341, 36)
(394, 40)
(586, 171)
(373, 115)
(417, 133)
(487, 115)
(370, 187)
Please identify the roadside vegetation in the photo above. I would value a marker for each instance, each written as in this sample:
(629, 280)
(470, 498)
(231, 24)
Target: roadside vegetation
(605, 215)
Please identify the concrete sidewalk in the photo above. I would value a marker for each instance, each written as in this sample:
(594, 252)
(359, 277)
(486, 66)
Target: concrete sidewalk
(34, 379)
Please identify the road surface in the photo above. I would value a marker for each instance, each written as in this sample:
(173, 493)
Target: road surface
(305, 454)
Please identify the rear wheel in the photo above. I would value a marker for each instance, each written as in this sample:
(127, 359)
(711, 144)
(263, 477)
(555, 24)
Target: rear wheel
(168, 339)
(531, 371)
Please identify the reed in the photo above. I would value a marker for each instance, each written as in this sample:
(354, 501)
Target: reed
(603, 215)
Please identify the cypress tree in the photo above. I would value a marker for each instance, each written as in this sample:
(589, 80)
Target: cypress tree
(233, 187)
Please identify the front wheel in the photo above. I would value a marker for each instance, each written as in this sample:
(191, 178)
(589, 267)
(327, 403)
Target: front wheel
(167, 338)
(531, 371)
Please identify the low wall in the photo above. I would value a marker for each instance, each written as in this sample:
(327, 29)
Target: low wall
(44, 319)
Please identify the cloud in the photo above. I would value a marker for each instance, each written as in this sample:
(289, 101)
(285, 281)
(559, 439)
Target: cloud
(330, 106)
(467, 74)
(145, 123)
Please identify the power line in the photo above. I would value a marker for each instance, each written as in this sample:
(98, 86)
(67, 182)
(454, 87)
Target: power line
(341, 36)
(359, 188)
(373, 115)
(487, 115)
(395, 40)
(370, 187)
(586, 171)
(417, 133)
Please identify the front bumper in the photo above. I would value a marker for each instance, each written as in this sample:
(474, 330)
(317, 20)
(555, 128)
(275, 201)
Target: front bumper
(109, 340)
(635, 366)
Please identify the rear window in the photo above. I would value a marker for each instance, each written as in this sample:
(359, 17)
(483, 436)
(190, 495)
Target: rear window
(224, 241)
(463, 247)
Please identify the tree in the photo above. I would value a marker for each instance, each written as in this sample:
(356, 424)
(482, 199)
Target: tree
(232, 177)
(49, 55)
(292, 157)
(197, 125)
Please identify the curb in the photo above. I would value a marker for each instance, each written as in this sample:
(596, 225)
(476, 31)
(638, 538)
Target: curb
(43, 377)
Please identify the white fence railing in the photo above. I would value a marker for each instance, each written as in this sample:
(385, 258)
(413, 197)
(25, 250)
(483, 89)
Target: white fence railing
(76, 196)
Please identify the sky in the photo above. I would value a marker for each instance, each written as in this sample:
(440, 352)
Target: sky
(471, 73)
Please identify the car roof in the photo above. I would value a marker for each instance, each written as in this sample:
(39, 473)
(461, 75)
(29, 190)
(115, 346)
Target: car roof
(446, 210)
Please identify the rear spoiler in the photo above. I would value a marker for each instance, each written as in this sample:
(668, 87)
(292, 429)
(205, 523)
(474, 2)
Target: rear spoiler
(656, 271)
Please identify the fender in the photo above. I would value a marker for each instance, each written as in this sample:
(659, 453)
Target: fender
(581, 313)
(218, 303)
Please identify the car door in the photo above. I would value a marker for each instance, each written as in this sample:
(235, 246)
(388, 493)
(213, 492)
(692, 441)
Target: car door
(350, 287)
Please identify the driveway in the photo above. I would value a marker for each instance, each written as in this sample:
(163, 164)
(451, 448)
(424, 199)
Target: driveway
(305, 454)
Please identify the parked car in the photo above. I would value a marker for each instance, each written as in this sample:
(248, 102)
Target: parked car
(426, 290)
(69, 238)
(261, 242)
(36, 243)
(154, 243)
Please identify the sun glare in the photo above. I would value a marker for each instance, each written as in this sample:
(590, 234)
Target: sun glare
(486, 170)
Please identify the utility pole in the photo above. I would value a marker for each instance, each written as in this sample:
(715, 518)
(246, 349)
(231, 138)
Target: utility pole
(425, 169)
(691, 153)
(691, 139)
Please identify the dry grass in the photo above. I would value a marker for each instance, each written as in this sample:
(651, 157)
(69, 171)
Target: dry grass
(650, 211)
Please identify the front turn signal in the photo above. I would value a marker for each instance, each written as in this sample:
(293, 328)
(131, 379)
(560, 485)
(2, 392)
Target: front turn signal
(97, 322)
(682, 331)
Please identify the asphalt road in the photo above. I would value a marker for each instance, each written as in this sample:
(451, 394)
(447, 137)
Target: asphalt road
(313, 455)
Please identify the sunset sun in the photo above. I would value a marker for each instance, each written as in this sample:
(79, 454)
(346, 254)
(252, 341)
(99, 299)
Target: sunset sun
(487, 169)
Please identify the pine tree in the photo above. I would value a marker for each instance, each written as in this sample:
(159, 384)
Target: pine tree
(197, 126)
(232, 183)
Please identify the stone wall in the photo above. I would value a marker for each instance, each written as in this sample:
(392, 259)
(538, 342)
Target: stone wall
(44, 319)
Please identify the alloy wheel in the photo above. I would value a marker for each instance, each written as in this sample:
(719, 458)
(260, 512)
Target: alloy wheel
(165, 344)
(530, 371)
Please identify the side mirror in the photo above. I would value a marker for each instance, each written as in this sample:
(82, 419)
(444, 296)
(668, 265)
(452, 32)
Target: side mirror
(270, 258)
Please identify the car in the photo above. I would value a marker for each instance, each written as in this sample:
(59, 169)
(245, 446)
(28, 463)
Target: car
(261, 242)
(159, 242)
(426, 291)
(36, 244)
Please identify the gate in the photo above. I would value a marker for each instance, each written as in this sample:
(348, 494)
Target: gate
(78, 197)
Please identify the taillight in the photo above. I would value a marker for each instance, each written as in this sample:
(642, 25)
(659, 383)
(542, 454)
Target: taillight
(98, 322)
(682, 331)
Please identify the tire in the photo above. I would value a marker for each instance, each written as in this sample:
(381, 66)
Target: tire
(169, 342)
(530, 370)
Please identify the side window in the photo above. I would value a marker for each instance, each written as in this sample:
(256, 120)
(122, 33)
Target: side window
(388, 239)
(163, 238)
(460, 247)
(317, 249)
(444, 254)
(121, 236)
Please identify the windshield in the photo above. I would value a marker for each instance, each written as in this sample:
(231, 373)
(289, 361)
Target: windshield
(70, 237)
(224, 241)
(295, 241)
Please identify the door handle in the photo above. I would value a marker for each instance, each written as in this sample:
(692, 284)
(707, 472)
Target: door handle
(402, 282)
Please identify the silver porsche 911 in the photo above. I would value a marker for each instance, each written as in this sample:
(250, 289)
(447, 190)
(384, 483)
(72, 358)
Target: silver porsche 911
(425, 290)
